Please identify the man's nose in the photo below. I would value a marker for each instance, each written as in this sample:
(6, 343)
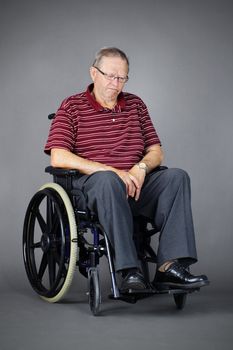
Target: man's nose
(115, 82)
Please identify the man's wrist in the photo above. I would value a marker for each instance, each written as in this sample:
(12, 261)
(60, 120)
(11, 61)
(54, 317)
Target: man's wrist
(142, 165)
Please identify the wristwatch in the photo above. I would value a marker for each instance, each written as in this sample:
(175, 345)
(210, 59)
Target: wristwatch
(143, 166)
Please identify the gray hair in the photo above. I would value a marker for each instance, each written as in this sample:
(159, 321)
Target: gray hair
(110, 52)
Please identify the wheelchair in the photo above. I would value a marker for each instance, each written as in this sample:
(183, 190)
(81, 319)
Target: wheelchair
(60, 237)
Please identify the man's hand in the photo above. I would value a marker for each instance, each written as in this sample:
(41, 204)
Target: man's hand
(152, 159)
(131, 182)
(139, 175)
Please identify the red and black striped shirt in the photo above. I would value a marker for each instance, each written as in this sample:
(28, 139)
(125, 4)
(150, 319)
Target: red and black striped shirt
(118, 137)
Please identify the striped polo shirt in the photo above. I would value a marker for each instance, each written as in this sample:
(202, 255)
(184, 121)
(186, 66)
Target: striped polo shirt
(116, 137)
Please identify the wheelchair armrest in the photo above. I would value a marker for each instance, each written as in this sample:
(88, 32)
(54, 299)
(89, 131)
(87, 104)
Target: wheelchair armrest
(61, 172)
(161, 167)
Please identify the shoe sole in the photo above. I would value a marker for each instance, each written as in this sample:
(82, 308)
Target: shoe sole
(167, 286)
(133, 286)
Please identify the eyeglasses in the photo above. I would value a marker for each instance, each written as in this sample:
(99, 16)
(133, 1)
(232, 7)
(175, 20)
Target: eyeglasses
(112, 77)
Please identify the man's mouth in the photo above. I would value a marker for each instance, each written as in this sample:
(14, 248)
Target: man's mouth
(112, 89)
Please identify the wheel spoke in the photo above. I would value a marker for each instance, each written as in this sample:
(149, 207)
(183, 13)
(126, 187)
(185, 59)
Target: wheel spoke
(49, 218)
(41, 221)
(52, 269)
(57, 258)
(55, 223)
(43, 265)
(35, 245)
(59, 262)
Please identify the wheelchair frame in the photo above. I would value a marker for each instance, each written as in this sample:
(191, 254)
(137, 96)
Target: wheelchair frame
(55, 232)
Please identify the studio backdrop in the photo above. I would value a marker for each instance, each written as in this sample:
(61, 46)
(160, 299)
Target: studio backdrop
(181, 65)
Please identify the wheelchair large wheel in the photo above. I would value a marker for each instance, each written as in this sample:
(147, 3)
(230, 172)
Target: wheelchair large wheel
(50, 242)
(94, 291)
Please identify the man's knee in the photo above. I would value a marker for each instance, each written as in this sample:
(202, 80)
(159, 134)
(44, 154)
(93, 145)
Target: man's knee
(176, 176)
(177, 173)
(108, 179)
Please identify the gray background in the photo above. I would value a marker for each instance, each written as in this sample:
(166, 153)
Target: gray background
(181, 55)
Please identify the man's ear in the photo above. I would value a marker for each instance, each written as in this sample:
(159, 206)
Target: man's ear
(92, 73)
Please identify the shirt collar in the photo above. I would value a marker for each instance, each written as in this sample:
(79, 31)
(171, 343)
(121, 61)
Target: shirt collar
(118, 108)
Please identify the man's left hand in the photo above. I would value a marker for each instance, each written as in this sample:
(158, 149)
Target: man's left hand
(140, 175)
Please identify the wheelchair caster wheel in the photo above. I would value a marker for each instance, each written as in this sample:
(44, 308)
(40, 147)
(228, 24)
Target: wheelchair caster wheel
(94, 291)
(180, 299)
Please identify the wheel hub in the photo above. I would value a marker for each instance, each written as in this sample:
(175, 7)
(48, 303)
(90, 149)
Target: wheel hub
(45, 243)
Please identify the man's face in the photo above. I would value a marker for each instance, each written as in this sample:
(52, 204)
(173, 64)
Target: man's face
(104, 89)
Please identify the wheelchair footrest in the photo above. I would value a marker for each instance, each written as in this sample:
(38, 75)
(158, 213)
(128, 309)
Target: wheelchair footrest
(178, 291)
(148, 291)
(152, 290)
(132, 296)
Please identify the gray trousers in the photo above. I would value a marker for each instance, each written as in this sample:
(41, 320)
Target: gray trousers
(164, 199)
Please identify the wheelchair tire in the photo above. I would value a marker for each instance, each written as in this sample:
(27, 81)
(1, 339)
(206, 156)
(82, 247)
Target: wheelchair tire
(49, 250)
(94, 291)
(180, 300)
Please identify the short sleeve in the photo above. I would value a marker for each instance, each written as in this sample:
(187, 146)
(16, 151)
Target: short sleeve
(149, 133)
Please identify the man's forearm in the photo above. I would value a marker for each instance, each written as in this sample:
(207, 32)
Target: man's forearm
(61, 158)
(153, 157)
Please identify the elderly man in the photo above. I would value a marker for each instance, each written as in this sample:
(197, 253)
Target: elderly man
(108, 136)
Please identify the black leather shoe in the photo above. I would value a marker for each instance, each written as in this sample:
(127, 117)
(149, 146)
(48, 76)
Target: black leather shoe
(133, 280)
(177, 277)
